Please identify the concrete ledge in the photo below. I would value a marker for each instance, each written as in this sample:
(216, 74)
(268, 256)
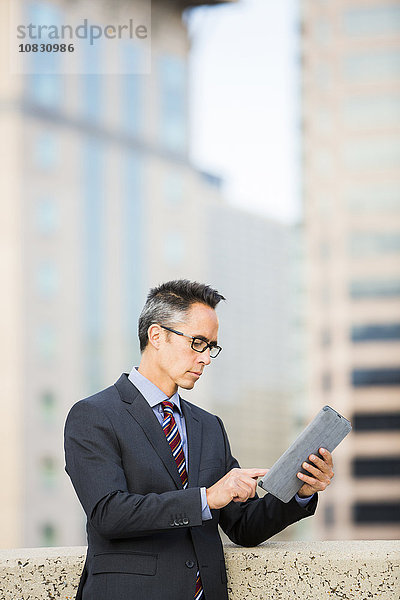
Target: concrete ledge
(273, 571)
(315, 570)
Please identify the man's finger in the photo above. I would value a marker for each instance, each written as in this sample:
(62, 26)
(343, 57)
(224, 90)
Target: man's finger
(320, 463)
(249, 483)
(243, 490)
(317, 473)
(327, 456)
(311, 469)
(307, 479)
(254, 473)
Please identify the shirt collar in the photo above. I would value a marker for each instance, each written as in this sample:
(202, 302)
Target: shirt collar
(151, 392)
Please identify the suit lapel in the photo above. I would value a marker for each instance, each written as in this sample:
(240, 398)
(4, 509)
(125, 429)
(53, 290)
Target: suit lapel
(193, 431)
(143, 414)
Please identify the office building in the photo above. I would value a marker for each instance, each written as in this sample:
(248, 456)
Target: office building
(351, 176)
(99, 202)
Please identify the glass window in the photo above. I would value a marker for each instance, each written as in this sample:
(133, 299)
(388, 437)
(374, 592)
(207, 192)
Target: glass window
(325, 205)
(329, 515)
(374, 288)
(326, 381)
(325, 250)
(325, 293)
(46, 90)
(372, 153)
(48, 472)
(93, 222)
(372, 333)
(373, 197)
(323, 31)
(132, 243)
(48, 406)
(47, 279)
(374, 20)
(93, 83)
(384, 421)
(173, 189)
(46, 342)
(47, 216)
(383, 466)
(324, 121)
(132, 112)
(46, 151)
(372, 111)
(48, 535)
(366, 243)
(326, 338)
(172, 75)
(371, 66)
(376, 512)
(375, 377)
(45, 13)
(92, 96)
(323, 75)
(323, 162)
(174, 249)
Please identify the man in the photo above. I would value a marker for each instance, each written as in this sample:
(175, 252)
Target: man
(155, 474)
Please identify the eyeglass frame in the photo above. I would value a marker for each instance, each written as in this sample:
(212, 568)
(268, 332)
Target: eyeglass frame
(193, 338)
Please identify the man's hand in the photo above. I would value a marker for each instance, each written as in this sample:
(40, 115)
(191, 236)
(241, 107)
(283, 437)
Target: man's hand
(321, 473)
(238, 485)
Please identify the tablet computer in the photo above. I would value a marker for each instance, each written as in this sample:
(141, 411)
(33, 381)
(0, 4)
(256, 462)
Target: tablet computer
(326, 430)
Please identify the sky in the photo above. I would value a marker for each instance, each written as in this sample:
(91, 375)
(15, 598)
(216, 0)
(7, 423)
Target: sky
(244, 99)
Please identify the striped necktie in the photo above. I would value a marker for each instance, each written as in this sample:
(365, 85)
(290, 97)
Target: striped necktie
(171, 431)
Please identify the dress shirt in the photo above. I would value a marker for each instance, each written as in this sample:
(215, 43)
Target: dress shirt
(154, 397)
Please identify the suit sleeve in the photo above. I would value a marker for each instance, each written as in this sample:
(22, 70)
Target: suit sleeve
(252, 522)
(93, 462)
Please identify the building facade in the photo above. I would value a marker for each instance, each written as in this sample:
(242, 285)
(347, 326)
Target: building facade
(98, 195)
(351, 179)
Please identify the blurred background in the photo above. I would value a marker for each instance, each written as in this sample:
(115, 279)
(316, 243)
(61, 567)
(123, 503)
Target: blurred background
(260, 155)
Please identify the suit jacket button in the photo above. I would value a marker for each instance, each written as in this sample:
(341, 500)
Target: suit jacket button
(186, 521)
(189, 564)
(176, 522)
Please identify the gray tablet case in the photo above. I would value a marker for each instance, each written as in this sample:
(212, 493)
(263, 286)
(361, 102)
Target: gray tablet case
(326, 430)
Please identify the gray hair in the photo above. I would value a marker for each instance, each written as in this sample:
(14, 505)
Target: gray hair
(170, 302)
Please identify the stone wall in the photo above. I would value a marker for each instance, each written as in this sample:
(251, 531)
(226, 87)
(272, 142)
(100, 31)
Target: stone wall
(356, 570)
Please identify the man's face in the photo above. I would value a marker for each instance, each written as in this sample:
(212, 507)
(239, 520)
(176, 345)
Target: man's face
(179, 364)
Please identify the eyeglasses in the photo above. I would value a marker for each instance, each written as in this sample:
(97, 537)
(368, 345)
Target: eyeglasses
(198, 344)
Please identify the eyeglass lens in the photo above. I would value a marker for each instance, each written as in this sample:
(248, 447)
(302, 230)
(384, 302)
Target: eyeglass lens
(200, 345)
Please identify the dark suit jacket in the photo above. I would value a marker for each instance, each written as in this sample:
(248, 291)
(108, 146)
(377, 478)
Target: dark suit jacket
(145, 533)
